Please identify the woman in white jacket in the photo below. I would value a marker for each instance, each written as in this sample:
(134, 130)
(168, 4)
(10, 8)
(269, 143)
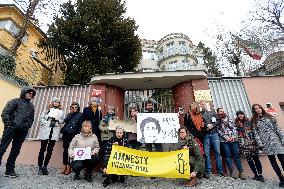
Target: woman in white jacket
(49, 132)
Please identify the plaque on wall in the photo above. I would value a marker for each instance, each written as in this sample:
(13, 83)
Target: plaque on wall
(202, 95)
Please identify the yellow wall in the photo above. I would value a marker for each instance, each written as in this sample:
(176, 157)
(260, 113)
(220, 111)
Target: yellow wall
(8, 91)
(27, 68)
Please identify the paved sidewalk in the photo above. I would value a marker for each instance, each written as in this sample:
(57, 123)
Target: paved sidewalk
(30, 180)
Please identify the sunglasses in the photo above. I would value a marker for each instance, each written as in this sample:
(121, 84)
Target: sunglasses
(74, 107)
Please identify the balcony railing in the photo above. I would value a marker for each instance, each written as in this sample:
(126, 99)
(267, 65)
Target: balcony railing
(186, 67)
(174, 52)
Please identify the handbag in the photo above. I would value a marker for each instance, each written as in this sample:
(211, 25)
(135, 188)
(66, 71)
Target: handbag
(69, 129)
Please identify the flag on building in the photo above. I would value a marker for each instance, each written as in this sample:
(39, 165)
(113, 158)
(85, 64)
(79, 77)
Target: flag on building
(253, 49)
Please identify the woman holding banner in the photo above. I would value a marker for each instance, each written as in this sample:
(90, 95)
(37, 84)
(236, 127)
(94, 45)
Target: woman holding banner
(197, 165)
(85, 140)
(120, 140)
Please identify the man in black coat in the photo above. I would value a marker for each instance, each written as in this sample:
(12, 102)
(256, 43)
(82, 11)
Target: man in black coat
(18, 117)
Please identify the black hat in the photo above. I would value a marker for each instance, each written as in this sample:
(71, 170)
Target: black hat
(240, 112)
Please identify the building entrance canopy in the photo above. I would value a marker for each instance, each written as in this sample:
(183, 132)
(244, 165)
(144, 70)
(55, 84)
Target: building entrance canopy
(148, 80)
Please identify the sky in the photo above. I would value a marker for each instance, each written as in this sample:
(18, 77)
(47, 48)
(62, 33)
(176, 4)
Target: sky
(200, 20)
(197, 19)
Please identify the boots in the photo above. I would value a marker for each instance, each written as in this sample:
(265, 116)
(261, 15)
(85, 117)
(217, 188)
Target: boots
(192, 182)
(121, 179)
(40, 172)
(45, 171)
(77, 176)
(231, 174)
(68, 170)
(241, 176)
(64, 169)
(281, 184)
(260, 178)
(106, 181)
(88, 177)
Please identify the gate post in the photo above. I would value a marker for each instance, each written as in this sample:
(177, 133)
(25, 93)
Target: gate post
(182, 96)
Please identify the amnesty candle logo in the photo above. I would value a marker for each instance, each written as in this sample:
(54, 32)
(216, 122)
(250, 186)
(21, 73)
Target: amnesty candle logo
(126, 161)
(182, 164)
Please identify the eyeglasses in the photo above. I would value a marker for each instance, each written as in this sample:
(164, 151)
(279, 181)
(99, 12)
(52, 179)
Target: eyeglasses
(74, 107)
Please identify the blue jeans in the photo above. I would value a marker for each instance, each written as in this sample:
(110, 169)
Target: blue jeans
(231, 150)
(214, 141)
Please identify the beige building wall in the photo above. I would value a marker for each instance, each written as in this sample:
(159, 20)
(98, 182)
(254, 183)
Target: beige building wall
(8, 91)
(26, 67)
(148, 64)
(262, 90)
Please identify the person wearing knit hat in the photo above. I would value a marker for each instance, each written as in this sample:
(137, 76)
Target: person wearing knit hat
(49, 131)
(55, 99)
(96, 99)
(239, 112)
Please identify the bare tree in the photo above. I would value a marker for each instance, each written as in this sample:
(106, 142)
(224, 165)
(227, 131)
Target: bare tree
(266, 25)
(30, 7)
(230, 54)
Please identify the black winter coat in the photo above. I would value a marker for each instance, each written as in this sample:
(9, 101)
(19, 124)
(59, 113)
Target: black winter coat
(95, 118)
(208, 117)
(121, 142)
(74, 119)
(19, 112)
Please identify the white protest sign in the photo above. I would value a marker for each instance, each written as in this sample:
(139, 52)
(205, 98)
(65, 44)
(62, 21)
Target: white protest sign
(157, 127)
(82, 153)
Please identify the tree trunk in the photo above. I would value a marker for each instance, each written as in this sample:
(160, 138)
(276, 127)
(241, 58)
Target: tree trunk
(238, 69)
(18, 38)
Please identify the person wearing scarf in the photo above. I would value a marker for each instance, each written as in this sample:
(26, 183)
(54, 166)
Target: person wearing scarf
(229, 142)
(193, 121)
(94, 114)
(248, 147)
(84, 140)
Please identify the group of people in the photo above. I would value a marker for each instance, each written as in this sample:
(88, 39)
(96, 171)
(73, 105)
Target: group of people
(203, 131)
(88, 129)
(232, 140)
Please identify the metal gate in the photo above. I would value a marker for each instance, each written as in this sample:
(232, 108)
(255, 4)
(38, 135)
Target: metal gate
(162, 98)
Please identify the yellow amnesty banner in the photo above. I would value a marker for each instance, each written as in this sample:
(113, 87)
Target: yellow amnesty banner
(126, 161)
